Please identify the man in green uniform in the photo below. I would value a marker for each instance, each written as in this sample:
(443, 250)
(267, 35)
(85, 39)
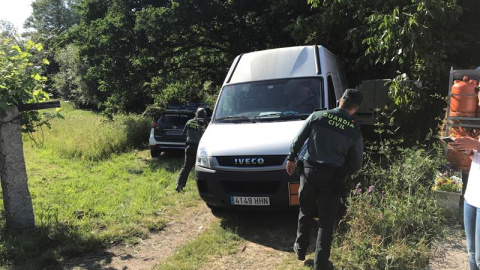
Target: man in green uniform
(194, 129)
(335, 148)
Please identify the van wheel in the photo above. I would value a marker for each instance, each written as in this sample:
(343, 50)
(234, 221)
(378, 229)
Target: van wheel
(155, 153)
(216, 211)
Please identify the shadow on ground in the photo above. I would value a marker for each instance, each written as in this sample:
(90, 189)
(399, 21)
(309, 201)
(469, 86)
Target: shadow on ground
(272, 229)
(170, 161)
(45, 244)
(275, 229)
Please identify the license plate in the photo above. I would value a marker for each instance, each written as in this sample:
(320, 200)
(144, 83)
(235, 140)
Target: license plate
(174, 133)
(250, 200)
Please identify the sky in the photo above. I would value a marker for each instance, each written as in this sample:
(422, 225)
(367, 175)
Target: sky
(15, 11)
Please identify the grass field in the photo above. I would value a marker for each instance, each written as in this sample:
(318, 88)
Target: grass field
(91, 187)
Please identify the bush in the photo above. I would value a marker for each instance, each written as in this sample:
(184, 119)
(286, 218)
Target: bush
(392, 215)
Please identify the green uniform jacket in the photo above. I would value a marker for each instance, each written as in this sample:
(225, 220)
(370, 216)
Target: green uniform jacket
(333, 140)
(194, 129)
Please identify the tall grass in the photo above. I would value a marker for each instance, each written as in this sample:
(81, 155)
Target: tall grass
(87, 135)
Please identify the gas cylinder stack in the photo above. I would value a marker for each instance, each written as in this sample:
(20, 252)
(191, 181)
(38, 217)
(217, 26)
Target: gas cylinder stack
(463, 115)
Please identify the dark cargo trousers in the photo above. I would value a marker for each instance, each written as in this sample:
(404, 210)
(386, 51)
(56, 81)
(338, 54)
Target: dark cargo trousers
(319, 197)
(190, 156)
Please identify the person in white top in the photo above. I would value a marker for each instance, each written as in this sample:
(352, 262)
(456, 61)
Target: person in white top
(471, 208)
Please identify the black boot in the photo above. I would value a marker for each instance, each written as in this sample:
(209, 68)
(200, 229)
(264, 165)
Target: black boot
(299, 253)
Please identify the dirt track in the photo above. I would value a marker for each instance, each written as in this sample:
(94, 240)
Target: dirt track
(151, 251)
(269, 237)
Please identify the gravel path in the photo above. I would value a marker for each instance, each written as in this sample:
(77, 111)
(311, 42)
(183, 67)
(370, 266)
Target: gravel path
(450, 253)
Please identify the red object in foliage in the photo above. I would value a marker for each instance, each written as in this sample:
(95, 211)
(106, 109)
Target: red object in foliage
(464, 99)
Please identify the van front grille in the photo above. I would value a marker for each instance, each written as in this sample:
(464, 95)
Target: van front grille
(251, 161)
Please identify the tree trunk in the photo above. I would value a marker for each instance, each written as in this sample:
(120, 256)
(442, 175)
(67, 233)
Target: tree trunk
(16, 196)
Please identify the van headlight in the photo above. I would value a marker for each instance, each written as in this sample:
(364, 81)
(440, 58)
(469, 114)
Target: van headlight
(203, 159)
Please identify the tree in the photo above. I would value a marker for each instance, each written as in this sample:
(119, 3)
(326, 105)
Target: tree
(20, 79)
(405, 41)
(49, 23)
(8, 30)
(20, 82)
(467, 30)
(136, 53)
(51, 17)
(133, 53)
(67, 81)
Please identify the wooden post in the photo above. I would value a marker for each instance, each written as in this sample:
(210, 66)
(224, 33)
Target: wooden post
(16, 196)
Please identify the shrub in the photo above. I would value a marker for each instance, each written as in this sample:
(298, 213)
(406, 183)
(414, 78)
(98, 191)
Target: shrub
(392, 216)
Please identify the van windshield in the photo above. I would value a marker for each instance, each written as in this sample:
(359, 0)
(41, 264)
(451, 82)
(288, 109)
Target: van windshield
(273, 100)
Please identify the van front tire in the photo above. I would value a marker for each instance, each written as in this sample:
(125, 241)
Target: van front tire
(216, 211)
(155, 153)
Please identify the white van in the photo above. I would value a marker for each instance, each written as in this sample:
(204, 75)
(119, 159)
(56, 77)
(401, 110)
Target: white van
(264, 101)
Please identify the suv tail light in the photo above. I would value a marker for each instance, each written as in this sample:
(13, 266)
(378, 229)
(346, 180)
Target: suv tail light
(155, 125)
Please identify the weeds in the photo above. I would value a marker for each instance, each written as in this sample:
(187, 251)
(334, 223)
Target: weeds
(392, 215)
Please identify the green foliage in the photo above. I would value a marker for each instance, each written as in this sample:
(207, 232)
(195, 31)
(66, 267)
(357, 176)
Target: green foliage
(136, 53)
(174, 93)
(48, 25)
(51, 17)
(8, 30)
(132, 54)
(392, 215)
(86, 135)
(408, 42)
(67, 81)
(415, 39)
(21, 81)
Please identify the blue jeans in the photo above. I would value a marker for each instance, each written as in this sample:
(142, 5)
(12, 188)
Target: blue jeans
(471, 220)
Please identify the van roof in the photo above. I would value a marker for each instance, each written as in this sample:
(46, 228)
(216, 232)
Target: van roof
(299, 61)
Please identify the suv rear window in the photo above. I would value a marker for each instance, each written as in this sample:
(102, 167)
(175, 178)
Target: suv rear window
(174, 119)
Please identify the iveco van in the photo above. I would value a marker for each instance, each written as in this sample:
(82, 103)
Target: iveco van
(263, 102)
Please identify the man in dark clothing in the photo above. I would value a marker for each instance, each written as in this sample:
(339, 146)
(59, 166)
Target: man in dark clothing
(335, 147)
(301, 99)
(194, 129)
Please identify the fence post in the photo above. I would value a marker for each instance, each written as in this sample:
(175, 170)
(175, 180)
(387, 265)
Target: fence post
(16, 196)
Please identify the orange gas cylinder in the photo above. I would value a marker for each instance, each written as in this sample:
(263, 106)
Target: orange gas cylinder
(459, 160)
(464, 99)
(478, 93)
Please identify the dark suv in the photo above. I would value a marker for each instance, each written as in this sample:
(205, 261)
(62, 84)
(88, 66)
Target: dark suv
(167, 131)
